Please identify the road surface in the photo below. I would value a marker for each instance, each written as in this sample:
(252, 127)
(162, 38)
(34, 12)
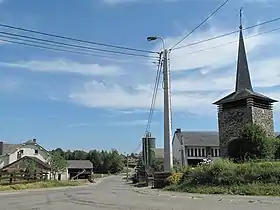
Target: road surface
(113, 193)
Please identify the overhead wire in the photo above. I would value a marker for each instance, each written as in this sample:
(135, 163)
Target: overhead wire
(224, 44)
(74, 39)
(199, 25)
(72, 45)
(154, 97)
(48, 47)
(227, 34)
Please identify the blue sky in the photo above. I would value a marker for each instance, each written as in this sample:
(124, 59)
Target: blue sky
(81, 102)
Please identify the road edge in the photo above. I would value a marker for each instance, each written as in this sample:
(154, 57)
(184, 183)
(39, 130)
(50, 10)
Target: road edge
(15, 192)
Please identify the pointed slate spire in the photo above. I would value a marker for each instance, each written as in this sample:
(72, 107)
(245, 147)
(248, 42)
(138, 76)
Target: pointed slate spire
(243, 80)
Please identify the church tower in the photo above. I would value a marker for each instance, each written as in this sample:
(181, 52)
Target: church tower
(244, 105)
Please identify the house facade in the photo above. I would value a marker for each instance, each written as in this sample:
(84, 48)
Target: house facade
(12, 153)
(191, 147)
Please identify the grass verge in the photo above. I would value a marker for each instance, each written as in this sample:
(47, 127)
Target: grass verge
(254, 189)
(38, 185)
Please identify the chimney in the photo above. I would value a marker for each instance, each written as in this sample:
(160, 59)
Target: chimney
(178, 130)
(1, 147)
(34, 140)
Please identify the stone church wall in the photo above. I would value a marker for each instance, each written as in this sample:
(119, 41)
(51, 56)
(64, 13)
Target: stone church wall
(264, 118)
(231, 122)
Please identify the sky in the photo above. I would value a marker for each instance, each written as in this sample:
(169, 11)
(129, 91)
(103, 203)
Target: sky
(75, 101)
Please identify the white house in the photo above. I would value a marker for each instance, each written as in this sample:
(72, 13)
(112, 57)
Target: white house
(191, 147)
(12, 153)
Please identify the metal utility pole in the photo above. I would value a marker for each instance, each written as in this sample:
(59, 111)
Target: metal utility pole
(168, 157)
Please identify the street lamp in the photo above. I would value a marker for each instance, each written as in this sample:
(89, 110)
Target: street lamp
(153, 38)
(168, 157)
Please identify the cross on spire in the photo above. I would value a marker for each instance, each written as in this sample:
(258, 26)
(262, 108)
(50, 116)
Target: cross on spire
(240, 14)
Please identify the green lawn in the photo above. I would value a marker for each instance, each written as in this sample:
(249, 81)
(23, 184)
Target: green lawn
(38, 185)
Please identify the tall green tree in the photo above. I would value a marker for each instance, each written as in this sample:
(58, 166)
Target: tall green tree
(58, 164)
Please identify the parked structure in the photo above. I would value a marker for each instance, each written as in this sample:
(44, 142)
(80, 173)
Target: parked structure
(77, 169)
(243, 106)
(191, 147)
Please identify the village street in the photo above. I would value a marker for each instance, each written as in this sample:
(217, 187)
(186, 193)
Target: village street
(114, 193)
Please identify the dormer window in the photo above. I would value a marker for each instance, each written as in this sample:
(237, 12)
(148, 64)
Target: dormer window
(36, 152)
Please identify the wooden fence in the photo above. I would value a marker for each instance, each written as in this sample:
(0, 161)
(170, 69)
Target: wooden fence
(7, 178)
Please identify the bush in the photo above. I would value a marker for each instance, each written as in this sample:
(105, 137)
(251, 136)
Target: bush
(228, 173)
(226, 177)
(175, 178)
(253, 143)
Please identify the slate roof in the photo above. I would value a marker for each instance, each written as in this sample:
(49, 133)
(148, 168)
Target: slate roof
(8, 148)
(79, 164)
(243, 87)
(199, 138)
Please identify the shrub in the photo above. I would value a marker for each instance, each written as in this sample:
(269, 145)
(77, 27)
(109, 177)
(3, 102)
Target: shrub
(175, 178)
(224, 172)
(253, 143)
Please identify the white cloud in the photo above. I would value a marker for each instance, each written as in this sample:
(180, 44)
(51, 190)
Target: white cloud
(99, 95)
(66, 66)
(195, 91)
(214, 58)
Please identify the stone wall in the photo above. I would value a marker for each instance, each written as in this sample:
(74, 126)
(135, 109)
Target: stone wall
(264, 118)
(231, 123)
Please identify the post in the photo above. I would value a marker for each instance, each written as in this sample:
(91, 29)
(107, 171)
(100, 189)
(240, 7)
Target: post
(168, 157)
(127, 167)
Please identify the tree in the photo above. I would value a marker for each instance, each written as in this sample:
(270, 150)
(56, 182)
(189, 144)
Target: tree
(252, 143)
(116, 162)
(157, 165)
(58, 164)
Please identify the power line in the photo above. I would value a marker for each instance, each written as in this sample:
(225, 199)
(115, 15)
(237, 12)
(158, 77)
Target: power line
(155, 90)
(152, 107)
(227, 34)
(74, 39)
(50, 48)
(72, 45)
(221, 45)
(209, 16)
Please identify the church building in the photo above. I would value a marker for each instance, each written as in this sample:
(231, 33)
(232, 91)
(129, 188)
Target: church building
(235, 110)
(243, 106)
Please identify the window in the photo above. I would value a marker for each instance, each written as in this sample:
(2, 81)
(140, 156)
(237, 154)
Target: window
(36, 152)
(203, 152)
(195, 152)
(216, 152)
(21, 151)
(212, 152)
(199, 152)
(192, 152)
(189, 152)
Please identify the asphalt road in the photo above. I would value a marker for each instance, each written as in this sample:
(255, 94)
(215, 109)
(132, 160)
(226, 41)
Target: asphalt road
(114, 193)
